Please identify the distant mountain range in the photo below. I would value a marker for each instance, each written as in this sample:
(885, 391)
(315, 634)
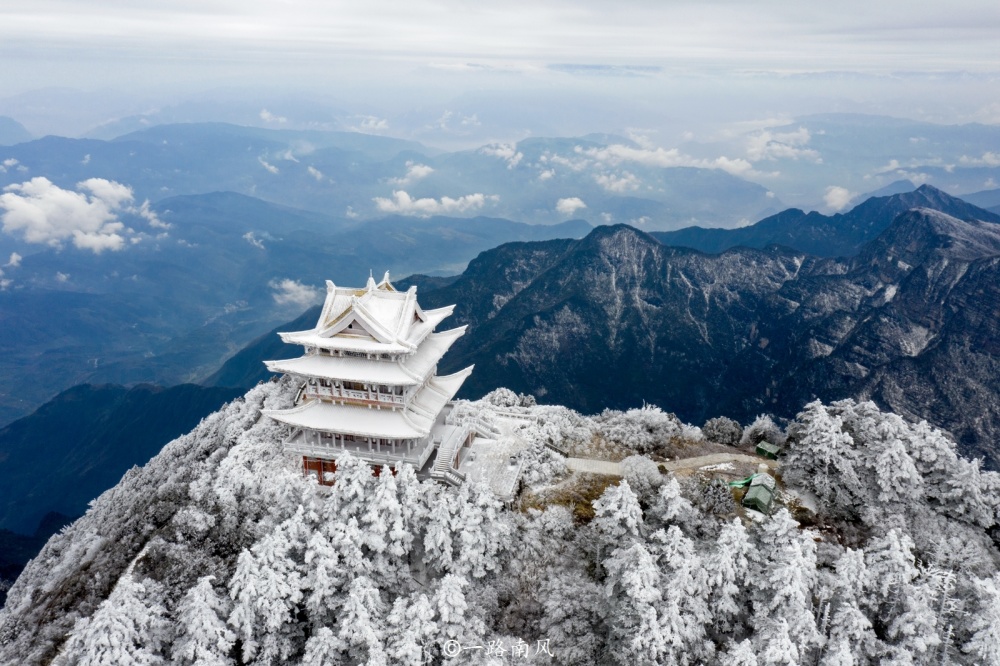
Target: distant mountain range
(618, 318)
(348, 175)
(839, 235)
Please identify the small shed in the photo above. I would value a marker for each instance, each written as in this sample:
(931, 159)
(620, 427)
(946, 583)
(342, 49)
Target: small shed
(760, 495)
(768, 450)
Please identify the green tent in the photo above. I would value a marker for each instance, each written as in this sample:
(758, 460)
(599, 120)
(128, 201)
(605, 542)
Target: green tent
(760, 496)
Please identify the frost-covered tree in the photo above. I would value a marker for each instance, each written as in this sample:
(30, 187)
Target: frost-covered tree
(763, 429)
(728, 570)
(640, 430)
(484, 531)
(783, 579)
(684, 611)
(267, 588)
(203, 637)
(984, 623)
(823, 458)
(411, 631)
(325, 648)
(774, 644)
(671, 507)
(571, 605)
(633, 590)
(642, 474)
(361, 623)
(850, 636)
(723, 431)
(441, 530)
(740, 654)
(128, 629)
(617, 517)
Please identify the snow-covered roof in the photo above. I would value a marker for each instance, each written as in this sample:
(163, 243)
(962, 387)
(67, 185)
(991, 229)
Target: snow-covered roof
(376, 318)
(412, 422)
(412, 370)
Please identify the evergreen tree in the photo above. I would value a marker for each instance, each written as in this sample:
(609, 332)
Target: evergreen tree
(633, 590)
(411, 631)
(203, 638)
(128, 629)
(361, 623)
(984, 623)
(728, 571)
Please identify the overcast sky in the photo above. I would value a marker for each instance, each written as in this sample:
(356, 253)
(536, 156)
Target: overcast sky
(882, 53)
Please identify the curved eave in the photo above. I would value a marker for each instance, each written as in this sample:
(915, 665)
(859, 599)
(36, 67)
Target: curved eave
(319, 366)
(349, 420)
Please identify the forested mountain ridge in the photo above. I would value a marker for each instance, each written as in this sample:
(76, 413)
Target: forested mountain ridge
(619, 318)
(219, 551)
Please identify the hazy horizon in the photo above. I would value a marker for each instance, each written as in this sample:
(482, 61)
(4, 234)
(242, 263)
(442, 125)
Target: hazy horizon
(676, 70)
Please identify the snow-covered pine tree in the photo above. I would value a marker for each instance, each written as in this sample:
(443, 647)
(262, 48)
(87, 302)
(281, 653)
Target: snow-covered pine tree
(203, 637)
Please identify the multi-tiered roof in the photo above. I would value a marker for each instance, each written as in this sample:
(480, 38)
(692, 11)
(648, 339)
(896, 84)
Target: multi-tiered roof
(368, 377)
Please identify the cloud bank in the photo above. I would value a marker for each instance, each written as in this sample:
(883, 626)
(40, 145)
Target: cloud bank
(570, 206)
(659, 157)
(837, 198)
(403, 204)
(414, 172)
(293, 292)
(40, 212)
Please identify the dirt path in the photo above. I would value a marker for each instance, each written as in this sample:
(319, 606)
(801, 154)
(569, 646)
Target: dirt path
(715, 459)
(607, 468)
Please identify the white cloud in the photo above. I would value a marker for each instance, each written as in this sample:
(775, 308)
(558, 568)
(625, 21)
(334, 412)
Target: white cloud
(315, 173)
(15, 260)
(505, 151)
(7, 164)
(769, 145)
(403, 204)
(148, 214)
(62, 277)
(253, 240)
(570, 206)
(618, 183)
(86, 159)
(545, 175)
(269, 117)
(640, 136)
(371, 124)
(659, 157)
(989, 159)
(293, 292)
(351, 214)
(837, 198)
(269, 167)
(42, 212)
(4, 284)
(288, 156)
(414, 172)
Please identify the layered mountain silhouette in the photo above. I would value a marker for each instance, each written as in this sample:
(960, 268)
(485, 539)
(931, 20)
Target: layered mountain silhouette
(80, 443)
(840, 235)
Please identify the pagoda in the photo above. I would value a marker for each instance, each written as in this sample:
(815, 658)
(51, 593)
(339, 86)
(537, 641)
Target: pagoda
(368, 385)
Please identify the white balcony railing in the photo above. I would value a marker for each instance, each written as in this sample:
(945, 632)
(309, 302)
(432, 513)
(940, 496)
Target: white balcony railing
(336, 393)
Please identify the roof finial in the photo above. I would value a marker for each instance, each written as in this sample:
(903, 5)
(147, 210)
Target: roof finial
(371, 281)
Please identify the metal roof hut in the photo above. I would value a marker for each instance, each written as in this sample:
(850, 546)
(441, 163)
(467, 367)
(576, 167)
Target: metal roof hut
(768, 450)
